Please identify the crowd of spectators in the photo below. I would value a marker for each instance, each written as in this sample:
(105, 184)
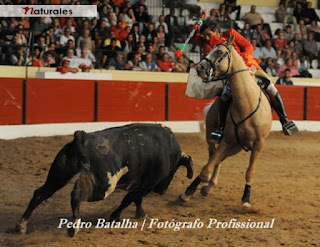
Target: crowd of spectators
(125, 37)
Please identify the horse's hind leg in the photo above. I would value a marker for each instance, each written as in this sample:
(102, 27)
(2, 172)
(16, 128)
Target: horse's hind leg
(255, 154)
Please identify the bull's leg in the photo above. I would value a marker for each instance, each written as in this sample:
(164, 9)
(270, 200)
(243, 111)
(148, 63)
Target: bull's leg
(139, 211)
(41, 194)
(255, 154)
(127, 200)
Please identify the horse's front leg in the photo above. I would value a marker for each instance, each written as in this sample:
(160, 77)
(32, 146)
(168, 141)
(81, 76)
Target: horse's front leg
(255, 154)
(207, 170)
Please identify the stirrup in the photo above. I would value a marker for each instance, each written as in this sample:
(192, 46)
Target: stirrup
(289, 128)
(217, 136)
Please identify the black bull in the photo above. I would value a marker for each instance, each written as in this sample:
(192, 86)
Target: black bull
(139, 158)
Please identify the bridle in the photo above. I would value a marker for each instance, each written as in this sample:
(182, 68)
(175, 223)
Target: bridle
(216, 62)
(226, 75)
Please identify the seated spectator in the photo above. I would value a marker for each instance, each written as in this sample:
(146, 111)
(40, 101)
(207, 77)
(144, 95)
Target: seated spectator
(297, 44)
(173, 26)
(180, 66)
(129, 17)
(17, 57)
(121, 18)
(161, 51)
(253, 18)
(283, 16)
(246, 31)
(39, 26)
(64, 38)
(257, 54)
(285, 79)
(86, 36)
(162, 22)
(88, 54)
(164, 63)
(42, 43)
(48, 60)
(309, 14)
(100, 33)
(107, 41)
(128, 45)
(135, 63)
(58, 32)
(304, 65)
(280, 58)
(73, 60)
(234, 7)
(268, 50)
(142, 43)
(149, 33)
(142, 18)
(298, 12)
(119, 33)
(70, 45)
(224, 20)
(288, 65)
(269, 67)
(71, 25)
(84, 60)
(259, 34)
(310, 48)
(110, 51)
(21, 38)
(288, 33)
(65, 67)
(149, 64)
(162, 36)
(315, 29)
(280, 42)
(117, 63)
(54, 54)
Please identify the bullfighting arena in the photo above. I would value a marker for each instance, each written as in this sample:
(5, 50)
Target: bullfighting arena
(286, 190)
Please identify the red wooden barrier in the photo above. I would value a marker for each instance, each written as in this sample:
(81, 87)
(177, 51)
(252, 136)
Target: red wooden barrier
(182, 107)
(59, 101)
(11, 101)
(293, 101)
(313, 103)
(131, 101)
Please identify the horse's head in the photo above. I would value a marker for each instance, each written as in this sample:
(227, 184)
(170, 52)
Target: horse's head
(215, 64)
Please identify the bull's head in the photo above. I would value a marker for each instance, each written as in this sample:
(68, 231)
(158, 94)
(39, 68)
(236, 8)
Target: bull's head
(214, 66)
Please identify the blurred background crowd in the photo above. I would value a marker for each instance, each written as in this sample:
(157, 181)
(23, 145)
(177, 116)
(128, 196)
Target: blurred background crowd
(125, 36)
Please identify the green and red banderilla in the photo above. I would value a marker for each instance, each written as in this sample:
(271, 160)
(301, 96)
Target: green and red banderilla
(180, 51)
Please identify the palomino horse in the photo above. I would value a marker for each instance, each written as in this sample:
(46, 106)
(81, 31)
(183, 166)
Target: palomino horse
(248, 122)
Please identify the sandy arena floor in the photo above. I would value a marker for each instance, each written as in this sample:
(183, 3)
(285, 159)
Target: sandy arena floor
(286, 188)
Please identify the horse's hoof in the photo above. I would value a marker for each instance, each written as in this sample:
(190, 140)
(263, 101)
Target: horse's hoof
(204, 191)
(183, 197)
(72, 231)
(21, 227)
(246, 205)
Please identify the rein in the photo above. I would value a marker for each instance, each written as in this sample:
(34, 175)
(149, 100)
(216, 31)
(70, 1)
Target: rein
(236, 125)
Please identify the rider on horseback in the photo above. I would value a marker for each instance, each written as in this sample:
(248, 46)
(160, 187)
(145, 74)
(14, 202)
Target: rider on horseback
(212, 36)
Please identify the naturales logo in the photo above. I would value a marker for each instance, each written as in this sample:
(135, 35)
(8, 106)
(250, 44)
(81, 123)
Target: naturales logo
(43, 11)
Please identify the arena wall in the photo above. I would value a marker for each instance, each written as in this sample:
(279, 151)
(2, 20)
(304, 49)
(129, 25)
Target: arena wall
(38, 101)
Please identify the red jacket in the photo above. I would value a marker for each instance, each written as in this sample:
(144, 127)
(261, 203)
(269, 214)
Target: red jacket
(240, 44)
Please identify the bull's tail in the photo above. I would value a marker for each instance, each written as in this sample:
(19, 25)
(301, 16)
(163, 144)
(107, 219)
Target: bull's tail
(79, 142)
(187, 162)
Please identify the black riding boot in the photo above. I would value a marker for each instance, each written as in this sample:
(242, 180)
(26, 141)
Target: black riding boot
(218, 135)
(288, 127)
